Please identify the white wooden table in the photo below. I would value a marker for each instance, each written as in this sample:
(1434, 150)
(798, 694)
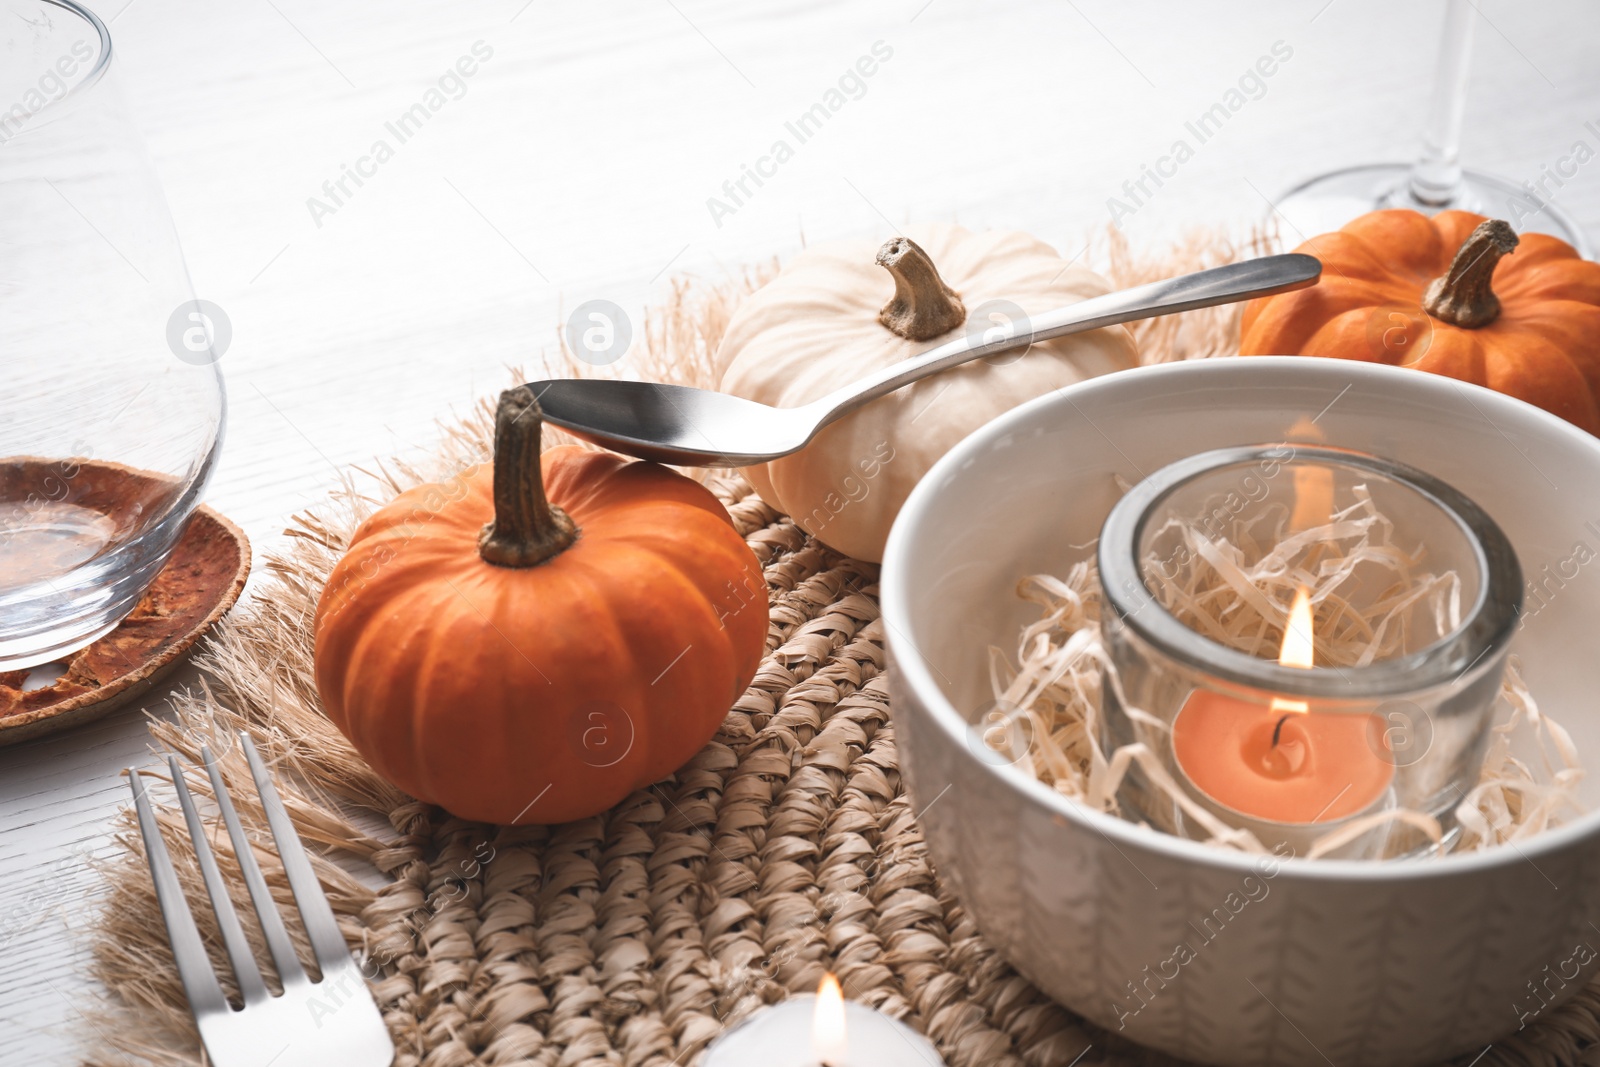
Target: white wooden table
(577, 162)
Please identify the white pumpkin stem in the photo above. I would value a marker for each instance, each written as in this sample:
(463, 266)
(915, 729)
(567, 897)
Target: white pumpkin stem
(923, 306)
(527, 528)
(1462, 297)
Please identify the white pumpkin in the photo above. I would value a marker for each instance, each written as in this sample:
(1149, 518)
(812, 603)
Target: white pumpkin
(840, 311)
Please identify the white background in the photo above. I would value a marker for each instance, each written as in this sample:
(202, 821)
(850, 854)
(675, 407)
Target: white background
(578, 164)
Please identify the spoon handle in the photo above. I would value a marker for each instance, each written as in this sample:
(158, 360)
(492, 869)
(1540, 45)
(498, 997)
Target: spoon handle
(1219, 285)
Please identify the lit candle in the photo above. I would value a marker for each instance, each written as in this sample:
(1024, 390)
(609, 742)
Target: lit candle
(1285, 763)
(1313, 767)
(821, 1031)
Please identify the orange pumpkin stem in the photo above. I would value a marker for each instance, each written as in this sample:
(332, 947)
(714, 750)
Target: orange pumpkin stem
(923, 306)
(1462, 297)
(527, 528)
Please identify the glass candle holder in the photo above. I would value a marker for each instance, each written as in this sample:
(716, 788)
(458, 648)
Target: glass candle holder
(1294, 751)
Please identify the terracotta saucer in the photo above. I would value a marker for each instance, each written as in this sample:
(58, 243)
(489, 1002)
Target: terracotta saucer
(200, 582)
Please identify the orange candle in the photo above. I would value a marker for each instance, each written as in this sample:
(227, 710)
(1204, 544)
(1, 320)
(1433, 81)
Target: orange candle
(1285, 762)
(1285, 766)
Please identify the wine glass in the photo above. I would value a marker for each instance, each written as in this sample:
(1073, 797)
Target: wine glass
(112, 405)
(1436, 181)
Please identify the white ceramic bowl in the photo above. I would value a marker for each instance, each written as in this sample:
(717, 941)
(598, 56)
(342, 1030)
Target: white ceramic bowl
(1301, 962)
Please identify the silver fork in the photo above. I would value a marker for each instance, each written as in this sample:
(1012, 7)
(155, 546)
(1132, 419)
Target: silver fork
(333, 1022)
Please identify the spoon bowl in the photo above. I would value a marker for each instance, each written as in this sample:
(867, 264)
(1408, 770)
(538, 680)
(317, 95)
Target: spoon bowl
(674, 423)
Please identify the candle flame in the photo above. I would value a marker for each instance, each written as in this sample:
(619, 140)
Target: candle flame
(1299, 646)
(828, 1042)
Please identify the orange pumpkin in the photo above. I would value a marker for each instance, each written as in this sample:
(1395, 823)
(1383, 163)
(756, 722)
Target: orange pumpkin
(1435, 294)
(518, 657)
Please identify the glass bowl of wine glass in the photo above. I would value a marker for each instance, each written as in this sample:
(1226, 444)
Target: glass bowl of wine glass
(112, 407)
(1435, 181)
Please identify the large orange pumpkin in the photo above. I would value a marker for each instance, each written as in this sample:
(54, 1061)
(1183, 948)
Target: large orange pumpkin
(518, 657)
(1448, 295)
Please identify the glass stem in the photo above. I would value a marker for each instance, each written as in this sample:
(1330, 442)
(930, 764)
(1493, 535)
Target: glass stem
(1436, 177)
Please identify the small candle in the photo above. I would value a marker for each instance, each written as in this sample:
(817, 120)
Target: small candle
(1284, 763)
(821, 1031)
(1302, 756)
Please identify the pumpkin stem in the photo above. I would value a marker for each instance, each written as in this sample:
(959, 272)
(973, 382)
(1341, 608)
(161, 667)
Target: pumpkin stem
(1462, 297)
(923, 306)
(527, 528)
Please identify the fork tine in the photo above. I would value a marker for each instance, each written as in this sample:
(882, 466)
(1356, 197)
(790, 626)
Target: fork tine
(321, 927)
(245, 970)
(288, 964)
(194, 967)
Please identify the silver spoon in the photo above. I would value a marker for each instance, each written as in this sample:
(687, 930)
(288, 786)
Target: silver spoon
(703, 428)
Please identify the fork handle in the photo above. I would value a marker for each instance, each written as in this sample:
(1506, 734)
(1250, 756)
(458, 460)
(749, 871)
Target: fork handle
(1218, 285)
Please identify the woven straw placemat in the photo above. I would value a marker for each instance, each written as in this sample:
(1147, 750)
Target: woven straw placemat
(786, 847)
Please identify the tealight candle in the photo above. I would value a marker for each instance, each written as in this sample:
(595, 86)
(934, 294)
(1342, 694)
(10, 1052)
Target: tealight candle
(1289, 750)
(1285, 771)
(821, 1031)
(1280, 765)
